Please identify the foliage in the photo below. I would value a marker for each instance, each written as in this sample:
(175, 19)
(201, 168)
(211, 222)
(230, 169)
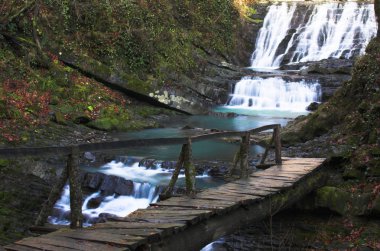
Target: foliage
(21, 107)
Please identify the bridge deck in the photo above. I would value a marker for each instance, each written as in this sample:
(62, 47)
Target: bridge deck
(175, 218)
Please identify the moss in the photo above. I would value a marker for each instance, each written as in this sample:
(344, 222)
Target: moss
(353, 173)
(107, 124)
(333, 198)
(4, 162)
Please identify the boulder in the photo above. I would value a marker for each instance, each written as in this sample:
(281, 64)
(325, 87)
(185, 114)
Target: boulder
(375, 209)
(93, 180)
(95, 202)
(312, 107)
(343, 202)
(113, 184)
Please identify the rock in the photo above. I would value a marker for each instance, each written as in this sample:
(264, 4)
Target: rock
(149, 163)
(375, 210)
(187, 127)
(332, 198)
(93, 180)
(312, 107)
(113, 184)
(89, 156)
(59, 118)
(352, 173)
(105, 124)
(328, 66)
(343, 202)
(82, 119)
(95, 202)
(4, 162)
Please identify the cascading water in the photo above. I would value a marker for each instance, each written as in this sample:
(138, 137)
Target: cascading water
(121, 206)
(146, 188)
(328, 30)
(274, 94)
(274, 29)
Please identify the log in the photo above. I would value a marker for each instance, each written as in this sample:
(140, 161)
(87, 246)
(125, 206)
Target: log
(54, 195)
(267, 150)
(189, 169)
(277, 142)
(75, 189)
(244, 154)
(169, 190)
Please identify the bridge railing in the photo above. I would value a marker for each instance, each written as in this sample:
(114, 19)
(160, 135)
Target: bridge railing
(71, 171)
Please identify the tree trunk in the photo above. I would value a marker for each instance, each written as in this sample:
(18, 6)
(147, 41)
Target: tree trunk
(75, 190)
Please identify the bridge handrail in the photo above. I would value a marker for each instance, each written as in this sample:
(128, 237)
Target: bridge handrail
(71, 172)
(114, 145)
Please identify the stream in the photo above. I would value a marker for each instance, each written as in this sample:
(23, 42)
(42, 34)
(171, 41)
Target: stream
(315, 32)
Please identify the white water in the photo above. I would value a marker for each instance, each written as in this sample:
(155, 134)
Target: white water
(275, 27)
(333, 30)
(274, 93)
(145, 191)
(156, 176)
(120, 206)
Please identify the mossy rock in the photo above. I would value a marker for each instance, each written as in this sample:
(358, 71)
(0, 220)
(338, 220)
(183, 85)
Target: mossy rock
(353, 173)
(4, 162)
(375, 210)
(373, 169)
(343, 202)
(106, 124)
(333, 198)
(59, 118)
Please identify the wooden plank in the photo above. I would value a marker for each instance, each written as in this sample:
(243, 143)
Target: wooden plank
(169, 210)
(163, 229)
(39, 244)
(245, 190)
(76, 244)
(197, 203)
(282, 178)
(16, 247)
(239, 192)
(105, 238)
(150, 234)
(140, 225)
(241, 199)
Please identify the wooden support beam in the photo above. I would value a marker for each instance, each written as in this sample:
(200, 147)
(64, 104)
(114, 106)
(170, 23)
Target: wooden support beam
(169, 190)
(244, 155)
(54, 195)
(277, 144)
(263, 158)
(189, 169)
(76, 216)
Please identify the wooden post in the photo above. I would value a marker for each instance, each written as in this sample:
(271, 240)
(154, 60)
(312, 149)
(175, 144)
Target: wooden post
(277, 144)
(189, 169)
(244, 154)
(75, 190)
(54, 195)
(169, 190)
(267, 149)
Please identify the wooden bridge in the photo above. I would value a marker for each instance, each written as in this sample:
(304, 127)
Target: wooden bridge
(178, 223)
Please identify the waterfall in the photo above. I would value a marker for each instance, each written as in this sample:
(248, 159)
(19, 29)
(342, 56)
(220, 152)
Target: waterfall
(121, 206)
(315, 32)
(146, 190)
(275, 26)
(274, 94)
